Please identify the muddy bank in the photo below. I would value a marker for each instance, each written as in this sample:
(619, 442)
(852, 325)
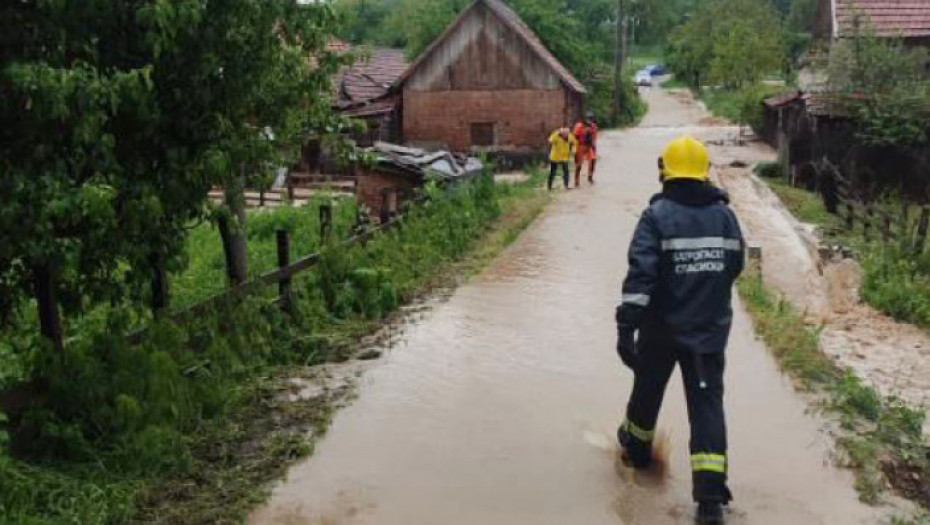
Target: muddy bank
(890, 356)
(893, 357)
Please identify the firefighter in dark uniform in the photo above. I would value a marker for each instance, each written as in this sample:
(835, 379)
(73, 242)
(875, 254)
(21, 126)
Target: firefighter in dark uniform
(675, 309)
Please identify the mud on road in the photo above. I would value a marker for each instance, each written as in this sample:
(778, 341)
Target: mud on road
(501, 404)
(892, 357)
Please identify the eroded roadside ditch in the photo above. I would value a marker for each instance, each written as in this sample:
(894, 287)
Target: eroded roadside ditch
(865, 371)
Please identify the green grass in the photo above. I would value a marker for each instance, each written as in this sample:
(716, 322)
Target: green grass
(876, 432)
(638, 62)
(806, 206)
(205, 272)
(883, 437)
(723, 103)
(796, 347)
(919, 518)
(674, 83)
(896, 278)
(729, 104)
(189, 425)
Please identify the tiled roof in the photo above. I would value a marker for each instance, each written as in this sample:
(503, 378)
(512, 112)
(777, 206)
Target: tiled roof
(901, 18)
(783, 99)
(336, 45)
(372, 109)
(510, 18)
(370, 78)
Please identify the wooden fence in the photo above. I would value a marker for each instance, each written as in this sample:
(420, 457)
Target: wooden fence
(17, 398)
(390, 215)
(860, 209)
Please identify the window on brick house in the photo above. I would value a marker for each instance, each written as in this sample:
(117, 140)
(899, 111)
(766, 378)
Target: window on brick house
(482, 134)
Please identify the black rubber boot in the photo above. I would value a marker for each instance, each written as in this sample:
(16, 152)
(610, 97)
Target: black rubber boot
(709, 513)
(635, 453)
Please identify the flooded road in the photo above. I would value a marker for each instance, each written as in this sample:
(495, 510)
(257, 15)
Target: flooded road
(500, 406)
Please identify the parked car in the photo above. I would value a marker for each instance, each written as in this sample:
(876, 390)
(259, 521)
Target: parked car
(643, 78)
(656, 69)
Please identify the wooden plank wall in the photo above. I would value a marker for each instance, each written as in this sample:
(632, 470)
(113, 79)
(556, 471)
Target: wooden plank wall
(483, 54)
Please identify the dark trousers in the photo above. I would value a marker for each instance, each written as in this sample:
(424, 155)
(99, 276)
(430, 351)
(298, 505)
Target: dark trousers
(553, 167)
(658, 356)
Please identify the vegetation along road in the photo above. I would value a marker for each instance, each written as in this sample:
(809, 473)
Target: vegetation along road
(501, 405)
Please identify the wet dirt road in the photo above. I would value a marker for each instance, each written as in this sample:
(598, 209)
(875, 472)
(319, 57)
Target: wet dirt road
(500, 406)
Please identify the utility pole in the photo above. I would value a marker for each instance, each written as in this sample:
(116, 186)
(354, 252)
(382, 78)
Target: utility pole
(620, 58)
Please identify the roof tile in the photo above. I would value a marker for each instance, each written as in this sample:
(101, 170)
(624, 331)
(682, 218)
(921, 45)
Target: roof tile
(901, 18)
(370, 78)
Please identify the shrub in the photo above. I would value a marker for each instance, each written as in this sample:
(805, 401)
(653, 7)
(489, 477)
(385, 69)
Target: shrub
(118, 416)
(770, 170)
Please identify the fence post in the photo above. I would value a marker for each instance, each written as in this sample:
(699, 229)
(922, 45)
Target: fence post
(867, 223)
(850, 216)
(159, 283)
(284, 259)
(47, 303)
(362, 223)
(232, 269)
(922, 226)
(290, 190)
(385, 214)
(326, 221)
(261, 198)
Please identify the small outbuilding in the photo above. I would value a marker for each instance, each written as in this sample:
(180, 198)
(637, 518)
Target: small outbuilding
(487, 84)
(395, 172)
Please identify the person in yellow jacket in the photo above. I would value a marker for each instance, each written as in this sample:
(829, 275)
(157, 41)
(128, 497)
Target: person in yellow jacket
(563, 144)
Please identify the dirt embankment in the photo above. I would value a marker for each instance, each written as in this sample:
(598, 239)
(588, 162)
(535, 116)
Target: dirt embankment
(890, 356)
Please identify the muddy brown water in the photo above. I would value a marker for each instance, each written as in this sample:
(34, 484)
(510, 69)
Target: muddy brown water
(500, 406)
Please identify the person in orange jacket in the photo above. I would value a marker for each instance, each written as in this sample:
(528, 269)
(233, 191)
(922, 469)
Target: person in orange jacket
(586, 135)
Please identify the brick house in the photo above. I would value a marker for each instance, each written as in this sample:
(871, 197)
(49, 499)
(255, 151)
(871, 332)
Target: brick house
(487, 84)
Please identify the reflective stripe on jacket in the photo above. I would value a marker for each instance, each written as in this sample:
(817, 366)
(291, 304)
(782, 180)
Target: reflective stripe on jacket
(686, 253)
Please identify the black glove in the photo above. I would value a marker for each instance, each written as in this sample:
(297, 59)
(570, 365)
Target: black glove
(626, 345)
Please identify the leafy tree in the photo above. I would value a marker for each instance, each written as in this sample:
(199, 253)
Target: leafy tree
(782, 6)
(120, 116)
(363, 20)
(803, 16)
(415, 24)
(729, 42)
(882, 84)
(655, 19)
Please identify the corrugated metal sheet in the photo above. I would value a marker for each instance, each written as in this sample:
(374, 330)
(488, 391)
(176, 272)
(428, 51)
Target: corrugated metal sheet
(488, 47)
(419, 162)
(892, 18)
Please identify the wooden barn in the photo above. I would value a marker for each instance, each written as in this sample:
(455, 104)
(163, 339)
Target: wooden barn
(487, 84)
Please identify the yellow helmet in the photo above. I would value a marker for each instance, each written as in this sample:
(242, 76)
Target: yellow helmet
(685, 158)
